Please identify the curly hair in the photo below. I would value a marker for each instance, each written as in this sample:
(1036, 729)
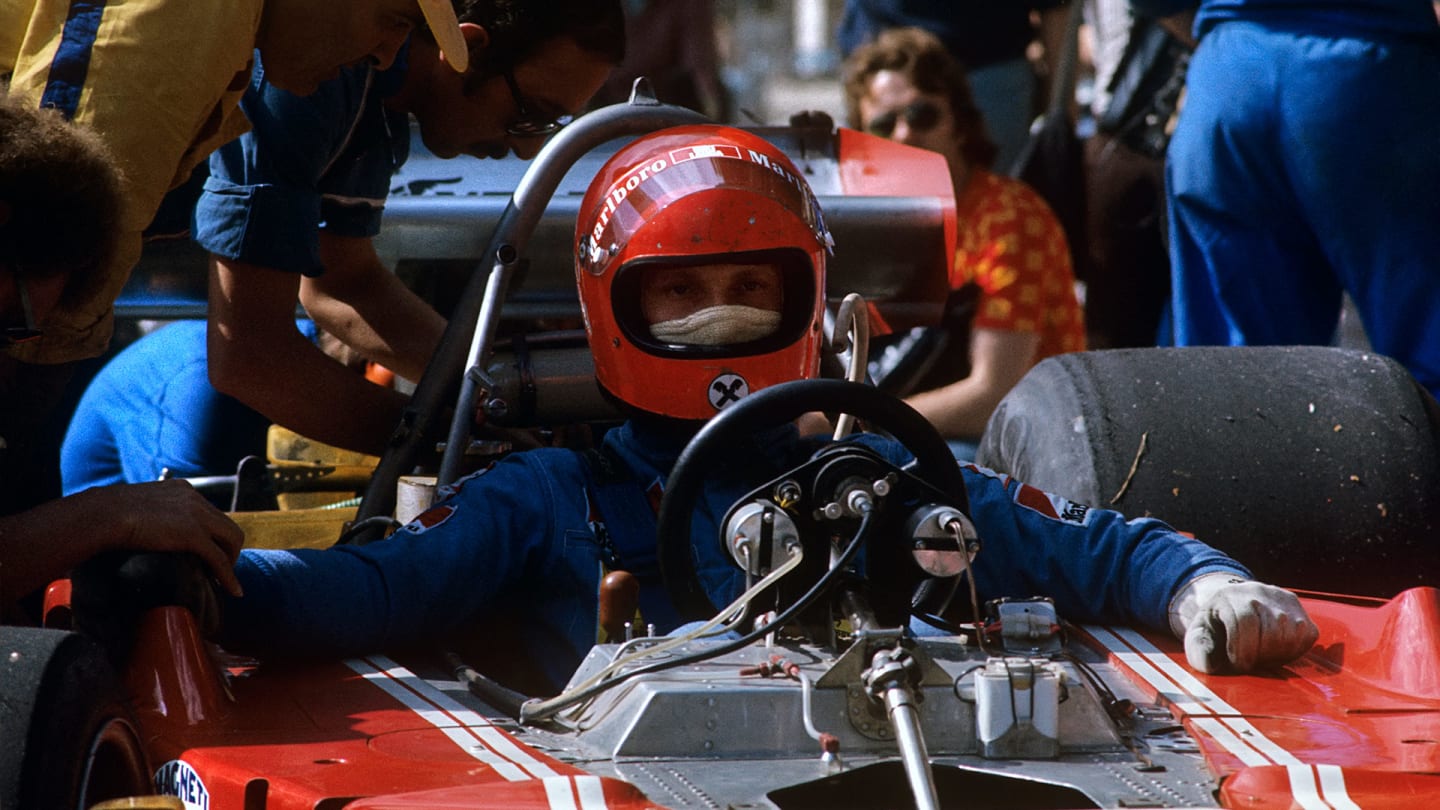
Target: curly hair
(924, 61)
(60, 195)
(518, 28)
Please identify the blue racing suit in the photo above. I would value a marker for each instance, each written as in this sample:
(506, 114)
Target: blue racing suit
(526, 535)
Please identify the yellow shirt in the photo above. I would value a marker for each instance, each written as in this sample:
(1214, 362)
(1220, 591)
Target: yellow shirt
(161, 81)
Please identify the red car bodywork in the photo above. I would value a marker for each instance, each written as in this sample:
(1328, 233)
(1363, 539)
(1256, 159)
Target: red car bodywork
(1355, 723)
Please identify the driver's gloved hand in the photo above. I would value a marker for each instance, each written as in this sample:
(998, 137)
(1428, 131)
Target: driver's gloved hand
(111, 591)
(1234, 625)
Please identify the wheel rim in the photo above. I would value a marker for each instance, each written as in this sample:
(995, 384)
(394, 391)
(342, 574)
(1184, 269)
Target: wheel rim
(114, 765)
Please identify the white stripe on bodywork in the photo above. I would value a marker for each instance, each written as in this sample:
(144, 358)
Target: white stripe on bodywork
(1332, 787)
(1222, 722)
(1180, 676)
(1146, 665)
(464, 737)
(465, 728)
(498, 741)
(592, 792)
(559, 794)
(1305, 790)
(1218, 731)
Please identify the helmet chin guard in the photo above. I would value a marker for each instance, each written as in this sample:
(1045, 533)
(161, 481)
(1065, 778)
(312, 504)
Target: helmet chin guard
(698, 196)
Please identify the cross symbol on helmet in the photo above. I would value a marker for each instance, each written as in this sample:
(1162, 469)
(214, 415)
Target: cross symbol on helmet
(727, 389)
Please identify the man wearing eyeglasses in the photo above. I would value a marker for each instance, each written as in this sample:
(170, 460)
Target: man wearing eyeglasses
(291, 209)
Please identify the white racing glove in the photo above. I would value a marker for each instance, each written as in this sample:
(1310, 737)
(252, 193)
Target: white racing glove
(1233, 625)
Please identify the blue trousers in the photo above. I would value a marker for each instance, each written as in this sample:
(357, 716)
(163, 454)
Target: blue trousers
(1304, 166)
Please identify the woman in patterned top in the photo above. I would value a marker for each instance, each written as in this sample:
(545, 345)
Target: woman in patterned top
(1011, 258)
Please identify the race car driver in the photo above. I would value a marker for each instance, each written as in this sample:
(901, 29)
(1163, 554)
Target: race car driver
(701, 253)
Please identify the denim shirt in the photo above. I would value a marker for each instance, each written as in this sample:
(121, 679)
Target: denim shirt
(521, 537)
(310, 162)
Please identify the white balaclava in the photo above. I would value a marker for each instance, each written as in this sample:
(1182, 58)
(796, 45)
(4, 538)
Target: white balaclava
(718, 326)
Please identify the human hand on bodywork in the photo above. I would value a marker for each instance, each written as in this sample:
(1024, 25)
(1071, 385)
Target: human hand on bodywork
(1235, 625)
(169, 516)
(157, 544)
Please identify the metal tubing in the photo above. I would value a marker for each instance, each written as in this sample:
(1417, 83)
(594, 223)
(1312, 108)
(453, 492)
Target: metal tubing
(899, 704)
(460, 422)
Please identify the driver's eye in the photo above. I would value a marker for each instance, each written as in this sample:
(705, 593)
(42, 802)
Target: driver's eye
(750, 286)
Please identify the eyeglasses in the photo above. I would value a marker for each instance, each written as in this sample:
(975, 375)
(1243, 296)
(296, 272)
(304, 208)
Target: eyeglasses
(21, 334)
(919, 116)
(528, 123)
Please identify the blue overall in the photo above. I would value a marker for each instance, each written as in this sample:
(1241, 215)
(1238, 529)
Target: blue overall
(1306, 164)
(525, 536)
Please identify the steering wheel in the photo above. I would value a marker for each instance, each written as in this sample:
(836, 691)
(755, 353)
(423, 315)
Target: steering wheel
(772, 407)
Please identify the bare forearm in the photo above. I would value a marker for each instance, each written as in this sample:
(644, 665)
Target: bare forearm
(361, 302)
(405, 351)
(998, 359)
(42, 544)
(1180, 26)
(317, 397)
(257, 355)
(959, 410)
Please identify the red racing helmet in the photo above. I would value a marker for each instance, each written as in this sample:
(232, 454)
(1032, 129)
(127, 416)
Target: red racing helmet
(697, 197)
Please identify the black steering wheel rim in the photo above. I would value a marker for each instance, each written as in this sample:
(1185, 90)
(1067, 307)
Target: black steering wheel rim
(769, 408)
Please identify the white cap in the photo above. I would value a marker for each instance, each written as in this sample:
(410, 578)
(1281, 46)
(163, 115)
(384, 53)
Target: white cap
(445, 27)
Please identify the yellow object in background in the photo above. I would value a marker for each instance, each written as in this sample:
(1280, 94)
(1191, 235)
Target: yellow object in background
(309, 519)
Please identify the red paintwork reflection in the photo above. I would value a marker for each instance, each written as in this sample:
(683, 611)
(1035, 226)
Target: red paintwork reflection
(1359, 716)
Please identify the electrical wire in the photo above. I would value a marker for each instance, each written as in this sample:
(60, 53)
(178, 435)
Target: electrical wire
(736, 609)
(537, 710)
(969, 574)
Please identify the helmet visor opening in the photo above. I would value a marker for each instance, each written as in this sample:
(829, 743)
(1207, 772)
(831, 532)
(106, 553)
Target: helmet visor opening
(729, 305)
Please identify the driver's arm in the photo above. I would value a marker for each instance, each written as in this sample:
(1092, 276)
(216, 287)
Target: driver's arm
(1100, 567)
(998, 359)
(367, 307)
(258, 356)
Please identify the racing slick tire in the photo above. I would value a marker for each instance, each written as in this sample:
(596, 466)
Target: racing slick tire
(66, 738)
(1316, 467)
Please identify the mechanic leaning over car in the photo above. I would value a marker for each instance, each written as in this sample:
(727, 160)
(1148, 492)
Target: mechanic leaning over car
(701, 253)
(160, 82)
(59, 215)
(291, 208)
